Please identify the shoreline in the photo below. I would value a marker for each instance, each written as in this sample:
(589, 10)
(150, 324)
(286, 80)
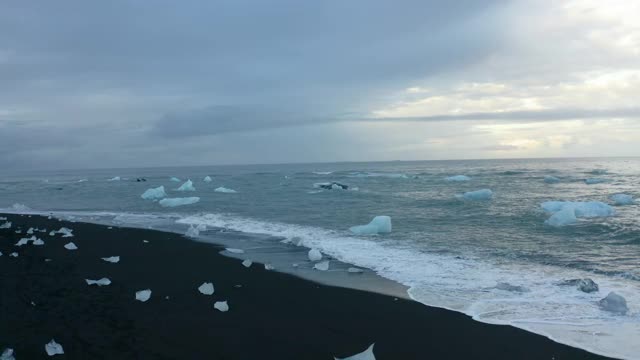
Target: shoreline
(271, 315)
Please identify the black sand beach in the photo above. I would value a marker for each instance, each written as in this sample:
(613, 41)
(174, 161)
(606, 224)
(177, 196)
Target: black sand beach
(271, 315)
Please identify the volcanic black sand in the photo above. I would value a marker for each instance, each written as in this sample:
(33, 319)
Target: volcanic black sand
(271, 315)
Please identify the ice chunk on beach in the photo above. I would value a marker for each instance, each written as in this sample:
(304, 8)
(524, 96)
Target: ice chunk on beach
(30, 231)
(173, 202)
(483, 194)
(568, 212)
(14, 254)
(235, 251)
(66, 232)
(71, 246)
(206, 288)
(614, 303)
(53, 348)
(322, 265)
(551, 179)
(458, 178)
(223, 189)
(221, 305)
(365, 355)
(247, 263)
(379, 224)
(175, 179)
(154, 193)
(143, 295)
(6, 225)
(24, 241)
(622, 199)
(207, 179)
(100, 282)
(7, 354)
(115, 178)
(194, 231)
(112, 259)
(38, 242)
(592, 181)
(314, 255)
(187, 186)
(268, 267)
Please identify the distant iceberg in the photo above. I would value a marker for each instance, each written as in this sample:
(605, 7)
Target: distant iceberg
(154, 193)
(379, 224)
(484, 194)
(592, 181)
(175, 179)
(222, 189)
(187, 186)
(207, 179)
(622, 199)
(330, 186)
(458, 178)
(323, 172)
(115, 178)
(551, 179)
(568, 212)
(173, 202)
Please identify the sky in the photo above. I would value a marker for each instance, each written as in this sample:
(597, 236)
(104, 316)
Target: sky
(198, 82)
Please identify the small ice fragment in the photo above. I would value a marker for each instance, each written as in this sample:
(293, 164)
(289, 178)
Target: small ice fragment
(145, 241)
(551, 179)
(295, 265)
(30, 231)
(379, 224)
(207, 179)
(2, 218)
(247, 263)
(115, 178)
(175, 179)
(71, 246)
(25, 241)
(52, 233)
(18, 231)
(268, 267)
(622, 199)
(365, 355)
(154, 193)
(187, 186)
(112, 259)
(193, 231)
(206, 288)
(483, 194)
(53, 348)
(0, 253)
(143, 295)
(101, 282)
(314, 255)
(458, 178)
(331, 186)
(47, 260)
(66, 232)
(221, 305)
(223, 189)
(355, 270)
(173, 202)
(614, 303)
(322, 266)
(235, 251)
(7, 354)
(38, 242)
(6, 225)
(14, 254)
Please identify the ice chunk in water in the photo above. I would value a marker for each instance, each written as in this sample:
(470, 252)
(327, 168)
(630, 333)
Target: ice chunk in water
(483, 194)
(154, 193)
(235, 251)
(207, 179)
(112, 259)
(115, 178)
(175, 179)
(187, 186)
(355, 270)
(71, 246)
(247, 263)
(592, 181)
(221, 305)
(622, 199)
(6, 225)
(551, 179)
(322, 265)
(7, 354)
(206, 288)
(379, 224)
(365, 355)
(53, 348)
(458, 178)
(568, 212)
(614, 303)
(563, 217)
(100, 282)
(223, 189)
(143, 295)
(173, 202)
(585, 285)
(315, 255)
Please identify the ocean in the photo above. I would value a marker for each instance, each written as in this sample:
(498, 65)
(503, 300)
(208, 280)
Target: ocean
(496, 260)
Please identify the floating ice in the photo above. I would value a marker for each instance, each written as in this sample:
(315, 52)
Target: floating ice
(221, 305)
(71, 246)
(323, 172)
(585, 285)
(379, 224)
(7, 354)
(551, 179)
(173, 202)
(331, 186)
(6, 225)
(458, 178)
(53, 348)
(206, 288)
(483, 194)
(614, 303)
(100, 282)
(154, 193)
(365, 355)
(143, 295)
(322, 265)
(509, 287)
(187, 186)
(592, 181)
(355, 270)
(115, 178)
(622, 199)
(112, 259)
(207, 179)
(223, 189)
(568, 212)
(235, 251)
(247, 263)
(18, 231)
(175, 179)
(314, 255)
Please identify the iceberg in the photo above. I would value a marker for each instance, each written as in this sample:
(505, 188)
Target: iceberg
(585, 285)
(71, 246)
(322, 265)
(314, 255)
(551, 179)
(154, 193)
(112, 259)
(6, 225)
(223, 189)
(458, 178)
(379, 224)
(483, 194)
(622, 199)
(143, 295)
(235, 251)
(53, 348)
(7, 354)
(207, 179)
(175, 179)
(173, 202)
(101, 282)
(206, 289)
(614, 303)
(568, 212)
(187, 186)
(592, 181)
(247, 263)
(222, 306)
(365, 355)
(115, 178)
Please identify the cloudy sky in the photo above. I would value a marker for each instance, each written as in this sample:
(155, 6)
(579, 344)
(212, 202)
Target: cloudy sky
(138, 83)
